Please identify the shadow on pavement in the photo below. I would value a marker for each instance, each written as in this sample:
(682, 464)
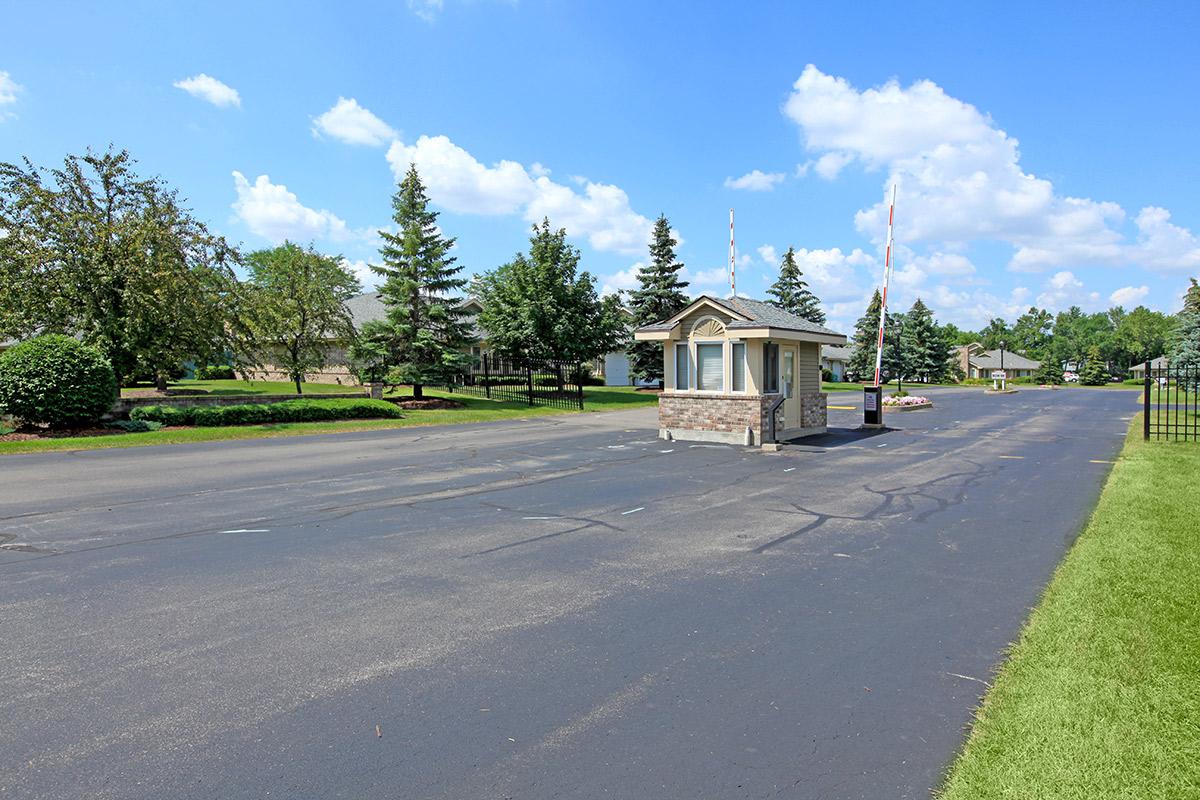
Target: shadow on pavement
(836, 437)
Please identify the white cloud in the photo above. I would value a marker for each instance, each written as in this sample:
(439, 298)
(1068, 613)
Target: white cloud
(961, 180)
(622, 280)
(8, 89)
(755, 181)
(768, 255)
(362, 271)
(349, 122)
(427, 10)
(274, 213)
(459, 182)
(1063, 289)
(210, 89)
(829, 165)
(1128, 295)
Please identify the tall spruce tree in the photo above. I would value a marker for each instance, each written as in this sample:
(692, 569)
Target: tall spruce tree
(424, 333)
(659, 296)
(1185, 346)
(862, 360)
(925, 347)
(791, 292)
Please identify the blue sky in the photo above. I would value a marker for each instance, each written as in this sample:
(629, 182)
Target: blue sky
(1044, 155)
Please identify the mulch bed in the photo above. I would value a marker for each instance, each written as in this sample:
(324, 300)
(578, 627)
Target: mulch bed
(429, 404)
(29, 434)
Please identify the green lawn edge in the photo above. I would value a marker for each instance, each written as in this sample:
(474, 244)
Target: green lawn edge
(477, 409)
(1100, 695)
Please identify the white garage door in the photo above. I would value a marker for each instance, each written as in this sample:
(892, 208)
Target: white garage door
(616, 369)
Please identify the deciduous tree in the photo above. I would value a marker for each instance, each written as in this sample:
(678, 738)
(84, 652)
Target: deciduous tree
(300, 306)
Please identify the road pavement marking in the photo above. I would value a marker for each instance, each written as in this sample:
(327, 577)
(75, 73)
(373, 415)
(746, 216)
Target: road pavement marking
(1097, 461)
(672, 450)
(541, 517)
(882, 445)
(789, 469)
(633, 510)
(1012, 456)
(249, 530)
(841, 555)
(843, 408)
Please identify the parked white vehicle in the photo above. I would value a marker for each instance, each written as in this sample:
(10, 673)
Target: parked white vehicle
(1071, 377)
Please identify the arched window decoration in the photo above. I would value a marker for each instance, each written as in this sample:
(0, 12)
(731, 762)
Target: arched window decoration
(708, 327)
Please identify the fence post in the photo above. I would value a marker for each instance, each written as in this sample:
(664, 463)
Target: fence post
(1146, 405)
(487, 381)
(579, 383)
(529, 373)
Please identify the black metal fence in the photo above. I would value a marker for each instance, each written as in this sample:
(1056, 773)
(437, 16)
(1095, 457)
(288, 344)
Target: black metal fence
(1171, 404)
(534, 382)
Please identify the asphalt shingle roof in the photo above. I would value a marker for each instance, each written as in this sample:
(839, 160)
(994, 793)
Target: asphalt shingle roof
(990, 359)
(835, 353)
(369, 306)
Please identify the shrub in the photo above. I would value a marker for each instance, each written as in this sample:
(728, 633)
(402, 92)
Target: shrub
(267, 413)
(827, 375)
(218, 372)
(54, 380)
(135, 425)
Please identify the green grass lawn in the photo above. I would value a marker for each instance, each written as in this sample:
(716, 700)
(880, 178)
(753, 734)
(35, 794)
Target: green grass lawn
(1101, 695)
(596, 398)
(237, 388)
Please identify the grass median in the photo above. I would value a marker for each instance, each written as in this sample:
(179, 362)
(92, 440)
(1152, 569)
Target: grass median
(1101, 694)
(475, 409)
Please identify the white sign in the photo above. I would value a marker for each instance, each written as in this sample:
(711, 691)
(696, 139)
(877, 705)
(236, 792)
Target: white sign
(998, 374)
(870, 401)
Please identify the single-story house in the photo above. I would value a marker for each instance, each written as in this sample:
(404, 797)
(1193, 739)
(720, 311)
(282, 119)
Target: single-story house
(369, 306)
(979, 363)
(1139, 370)
(728, 361)
(834, 359)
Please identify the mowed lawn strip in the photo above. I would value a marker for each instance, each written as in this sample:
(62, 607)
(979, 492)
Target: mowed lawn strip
(476, 409)
(1101, 695)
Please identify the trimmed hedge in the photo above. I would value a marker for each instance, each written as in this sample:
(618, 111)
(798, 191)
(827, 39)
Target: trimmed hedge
(217, 372)
(266, 413)
(54, 380)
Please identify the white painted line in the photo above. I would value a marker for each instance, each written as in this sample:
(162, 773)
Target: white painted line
(633, 510)
(1012, 456)
(789, 469)
(720, 446)
(672, 450)
(882, 445)
(841, 555)
(616, 447)
(1095, 461)
(249, 530)
(541, 517)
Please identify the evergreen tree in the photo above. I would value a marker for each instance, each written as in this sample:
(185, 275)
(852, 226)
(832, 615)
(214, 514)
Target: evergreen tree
(1094, 372)
(425, 333)
(791, 292)
(1185, 348)
(660, 296)
(1050, 372)
(866, 331)
(926, 350)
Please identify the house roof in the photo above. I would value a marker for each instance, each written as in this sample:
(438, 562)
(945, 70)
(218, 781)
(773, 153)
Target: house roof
(1155, 363)
(835, 353)
(748, 314)
(369, 306)
(990, 359)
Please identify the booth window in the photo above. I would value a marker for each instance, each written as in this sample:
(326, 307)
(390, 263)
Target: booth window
(770, 368)
(681, 367)
(710, 372)
(738, 365)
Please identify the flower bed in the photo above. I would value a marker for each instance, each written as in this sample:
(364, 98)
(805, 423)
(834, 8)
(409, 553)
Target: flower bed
(904, 403)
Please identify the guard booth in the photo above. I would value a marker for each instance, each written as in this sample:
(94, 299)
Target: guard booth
(740, 371)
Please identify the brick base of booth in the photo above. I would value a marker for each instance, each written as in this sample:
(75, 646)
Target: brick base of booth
(734, 418)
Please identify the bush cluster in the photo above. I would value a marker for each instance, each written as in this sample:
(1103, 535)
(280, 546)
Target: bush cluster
(54, 380)
(266, 413)
(217, 372)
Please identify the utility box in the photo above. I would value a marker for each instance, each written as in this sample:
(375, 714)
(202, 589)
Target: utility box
(872, 406)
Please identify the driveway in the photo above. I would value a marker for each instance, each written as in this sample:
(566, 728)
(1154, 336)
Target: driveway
(557, 608)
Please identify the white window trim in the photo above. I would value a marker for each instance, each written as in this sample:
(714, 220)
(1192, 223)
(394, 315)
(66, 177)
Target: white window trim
(695, 381)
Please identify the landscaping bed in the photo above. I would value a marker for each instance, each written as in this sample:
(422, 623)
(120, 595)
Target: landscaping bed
(267, 413)
(429, 404)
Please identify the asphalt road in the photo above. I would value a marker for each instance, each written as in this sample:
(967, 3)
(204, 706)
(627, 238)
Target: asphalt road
(556, 608)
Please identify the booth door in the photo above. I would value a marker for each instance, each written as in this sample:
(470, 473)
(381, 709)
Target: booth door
(787, 385)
